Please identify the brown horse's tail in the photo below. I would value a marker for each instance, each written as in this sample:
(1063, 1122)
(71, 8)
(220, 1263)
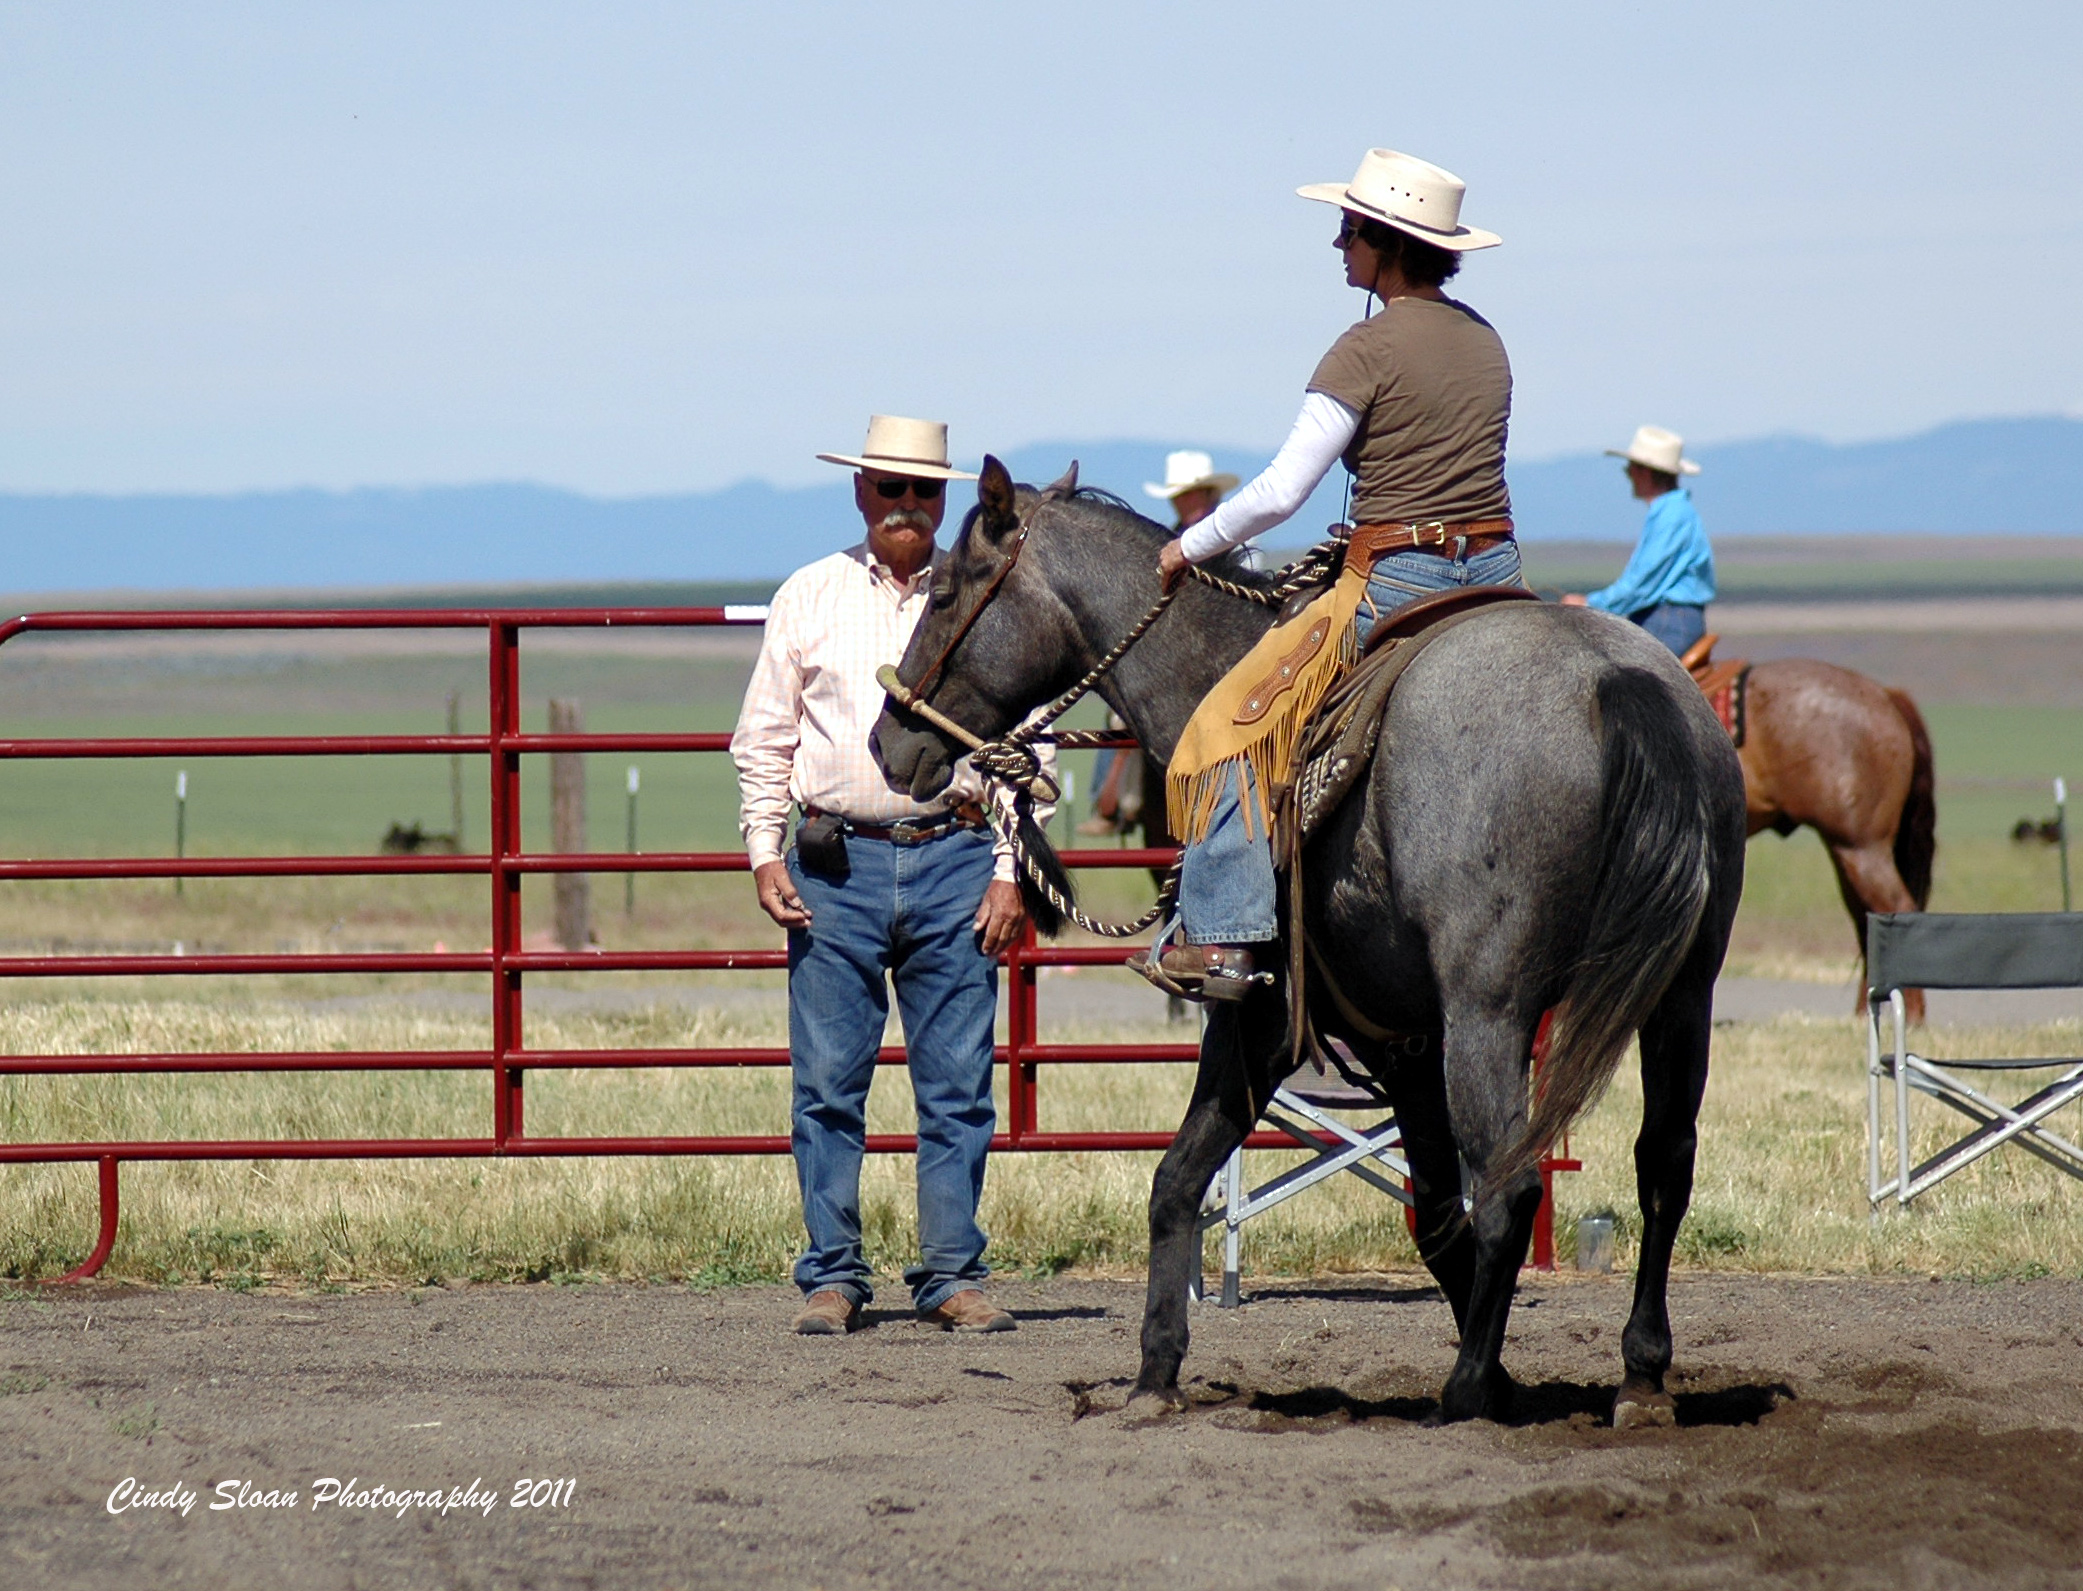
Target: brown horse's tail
(1916, 833)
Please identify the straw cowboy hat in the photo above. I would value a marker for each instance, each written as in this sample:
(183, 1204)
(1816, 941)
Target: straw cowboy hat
(897, 446)
(1410, 195)
(1658, 449)
(1186, 471)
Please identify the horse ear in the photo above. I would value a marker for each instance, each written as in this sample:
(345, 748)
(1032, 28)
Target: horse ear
(994, 495)
(1064, 487)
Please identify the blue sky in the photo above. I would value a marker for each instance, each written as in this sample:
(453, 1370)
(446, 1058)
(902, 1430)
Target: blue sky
(640, 248)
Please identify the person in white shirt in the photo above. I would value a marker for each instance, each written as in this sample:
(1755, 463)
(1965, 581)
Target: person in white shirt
(877, 888)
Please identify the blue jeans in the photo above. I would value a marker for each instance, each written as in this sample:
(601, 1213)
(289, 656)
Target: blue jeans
(908, 912)
(1226, 889)
(1676, 624)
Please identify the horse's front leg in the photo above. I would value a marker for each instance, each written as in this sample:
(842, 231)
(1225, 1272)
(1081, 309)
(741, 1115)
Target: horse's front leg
(1445, 1242)
(1235, 1076)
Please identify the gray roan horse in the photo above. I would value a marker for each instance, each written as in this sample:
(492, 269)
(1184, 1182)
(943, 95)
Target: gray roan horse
(1555, 821)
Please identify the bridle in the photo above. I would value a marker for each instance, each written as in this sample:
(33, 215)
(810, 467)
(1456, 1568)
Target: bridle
(1011, 760)
(1012, 558)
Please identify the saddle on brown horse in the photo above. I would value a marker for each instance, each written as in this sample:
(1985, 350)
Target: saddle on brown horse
(1724, 684)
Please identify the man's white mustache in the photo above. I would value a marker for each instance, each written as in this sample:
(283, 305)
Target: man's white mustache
(906, 519)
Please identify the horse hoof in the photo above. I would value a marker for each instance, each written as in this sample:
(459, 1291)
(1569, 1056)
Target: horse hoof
(1643, 1410)
(1489, 1399)
(1167, 1399)
(1155, 1402)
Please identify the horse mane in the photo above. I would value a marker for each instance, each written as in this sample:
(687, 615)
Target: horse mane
(1233, 565)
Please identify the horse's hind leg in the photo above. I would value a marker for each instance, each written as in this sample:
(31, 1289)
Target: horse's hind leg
(1486, 1095)
(1235, 1052)
(1674, 1075)
(1869, 882)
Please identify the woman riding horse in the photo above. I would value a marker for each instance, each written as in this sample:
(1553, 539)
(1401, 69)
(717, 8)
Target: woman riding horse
(1416, 400)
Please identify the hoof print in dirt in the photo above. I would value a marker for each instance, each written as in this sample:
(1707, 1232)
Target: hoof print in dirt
(1638, 1411)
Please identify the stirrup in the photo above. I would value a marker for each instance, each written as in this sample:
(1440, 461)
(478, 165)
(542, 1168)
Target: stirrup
(1183, 971)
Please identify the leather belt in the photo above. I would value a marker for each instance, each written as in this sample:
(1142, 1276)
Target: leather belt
(1369, 543)
(912, 831)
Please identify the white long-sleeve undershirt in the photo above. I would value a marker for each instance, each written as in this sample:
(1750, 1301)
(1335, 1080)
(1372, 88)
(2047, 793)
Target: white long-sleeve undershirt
(1320, 435)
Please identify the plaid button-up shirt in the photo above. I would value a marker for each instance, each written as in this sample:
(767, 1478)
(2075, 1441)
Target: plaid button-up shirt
(802, 735)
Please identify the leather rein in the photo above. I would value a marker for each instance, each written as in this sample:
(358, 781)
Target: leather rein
(1011, 760)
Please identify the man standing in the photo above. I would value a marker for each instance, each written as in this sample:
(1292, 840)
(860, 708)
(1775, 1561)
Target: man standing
(1669, 579)
(877, 886)
(1192, 486)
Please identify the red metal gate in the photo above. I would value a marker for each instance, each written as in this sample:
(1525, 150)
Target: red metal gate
(509, 1059)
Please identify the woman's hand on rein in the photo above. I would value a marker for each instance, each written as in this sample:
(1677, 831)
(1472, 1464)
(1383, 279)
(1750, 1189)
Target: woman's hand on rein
(1172, 564)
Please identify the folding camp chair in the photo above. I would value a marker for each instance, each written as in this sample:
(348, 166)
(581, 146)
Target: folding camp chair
(1301, 1109)
(1933, 950)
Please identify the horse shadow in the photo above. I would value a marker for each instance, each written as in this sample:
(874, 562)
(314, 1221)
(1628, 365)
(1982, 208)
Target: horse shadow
(1533, 1404)
(871, 1318)
(1425, 1294)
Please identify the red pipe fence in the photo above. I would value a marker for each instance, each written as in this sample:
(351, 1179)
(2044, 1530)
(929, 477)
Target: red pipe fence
(506, 863)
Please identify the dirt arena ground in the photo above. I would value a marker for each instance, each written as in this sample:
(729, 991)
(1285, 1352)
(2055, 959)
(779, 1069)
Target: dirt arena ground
(1832, 1433)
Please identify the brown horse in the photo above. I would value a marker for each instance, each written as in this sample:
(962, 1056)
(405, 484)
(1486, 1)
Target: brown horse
(1851, 759)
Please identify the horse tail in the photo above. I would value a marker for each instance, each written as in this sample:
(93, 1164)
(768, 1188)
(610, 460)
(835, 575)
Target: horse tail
(1916, 831)
(1654, 877)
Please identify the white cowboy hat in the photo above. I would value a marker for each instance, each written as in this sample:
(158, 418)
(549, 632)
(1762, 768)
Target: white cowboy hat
(897, 446)
(1185, 471)
(1658, 449)
(1409, 194)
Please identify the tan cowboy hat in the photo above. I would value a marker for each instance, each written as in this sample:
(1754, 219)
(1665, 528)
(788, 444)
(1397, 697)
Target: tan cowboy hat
(897, 446)
(1185, 471)
(1658, 449)
(1410, 195)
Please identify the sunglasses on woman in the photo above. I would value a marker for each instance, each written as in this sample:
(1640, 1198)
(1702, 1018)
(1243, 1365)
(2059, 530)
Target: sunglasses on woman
(925, 491)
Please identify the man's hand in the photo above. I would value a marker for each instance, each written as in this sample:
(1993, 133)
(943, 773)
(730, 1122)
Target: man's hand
(1172, 564)
(1002, 915)
(778, 897)
(1574, 599)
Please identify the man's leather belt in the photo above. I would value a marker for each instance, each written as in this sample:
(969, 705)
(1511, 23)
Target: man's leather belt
(913, 831)
(1368, 543)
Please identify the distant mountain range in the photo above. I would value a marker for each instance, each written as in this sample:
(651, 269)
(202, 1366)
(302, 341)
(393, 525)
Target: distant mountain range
(2016, 476)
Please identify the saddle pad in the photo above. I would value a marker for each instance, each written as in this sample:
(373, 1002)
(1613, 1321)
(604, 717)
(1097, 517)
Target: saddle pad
(1725, 686)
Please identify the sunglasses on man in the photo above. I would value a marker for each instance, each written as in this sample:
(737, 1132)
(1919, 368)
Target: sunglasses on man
(895, 487)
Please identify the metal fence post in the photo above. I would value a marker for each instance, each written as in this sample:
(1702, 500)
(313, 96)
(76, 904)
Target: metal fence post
(629, 879)
(505, 703)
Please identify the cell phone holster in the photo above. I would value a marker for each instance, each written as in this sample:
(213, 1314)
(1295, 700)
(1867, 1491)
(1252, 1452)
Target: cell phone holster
(821, 845)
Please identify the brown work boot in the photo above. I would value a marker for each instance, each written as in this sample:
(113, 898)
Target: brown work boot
(1199, 972)
(827, 1313)
(968, 1310)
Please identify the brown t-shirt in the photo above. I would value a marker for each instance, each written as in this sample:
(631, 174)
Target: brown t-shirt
(1433, 390)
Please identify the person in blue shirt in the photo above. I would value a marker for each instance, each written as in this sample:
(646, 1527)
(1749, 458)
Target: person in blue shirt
(1669, 580)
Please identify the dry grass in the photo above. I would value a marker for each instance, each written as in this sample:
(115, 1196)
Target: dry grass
(1780, 1182)
(1782, 1164)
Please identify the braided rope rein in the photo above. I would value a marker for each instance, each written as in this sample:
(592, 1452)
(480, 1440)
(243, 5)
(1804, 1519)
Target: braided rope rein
(1012, 761)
